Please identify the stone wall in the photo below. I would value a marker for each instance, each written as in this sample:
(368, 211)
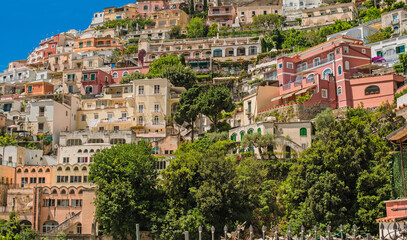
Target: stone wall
(293, 112)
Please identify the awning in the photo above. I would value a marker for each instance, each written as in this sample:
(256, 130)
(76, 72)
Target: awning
(288, 95)
(276, 98)
(368, 66)
(304, 90)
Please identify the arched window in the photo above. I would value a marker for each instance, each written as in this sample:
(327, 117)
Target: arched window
(68, 169)
(79, 228)
(197, 55)
(311, 78)
(339, 90)
(118, 141)
(85, 151)
(259, 130)
(372, 90)
(40, 170)
(33, 170)
(326, 73)
(80, 191)
(125, 73)
(303, 132)
(287, 152)
(54, 191)
(76, 169)
(72, 191)
(95, 140)
(339, 70)
(347, 65)
(59, 169)
(91, 151)
(46, 191)
(241, 135)
(217, 53)
(115, 75)
(19, 170)
(49, 226)
(250, 131)
(153, 57)
(233, 137)
(26, 224)
(80, 151)
(84, 169)
(26, 170)
(156, 120)
(97, 150)
(49, 170)
(74, 142)
(63, 191)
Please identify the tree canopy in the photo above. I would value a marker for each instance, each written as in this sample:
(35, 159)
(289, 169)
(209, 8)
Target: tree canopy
(195, 28)
(126, 193)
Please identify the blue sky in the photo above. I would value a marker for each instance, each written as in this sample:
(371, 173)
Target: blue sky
(26, 22)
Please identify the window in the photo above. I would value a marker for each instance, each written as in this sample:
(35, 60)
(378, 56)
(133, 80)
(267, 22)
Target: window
(379, 53)
(76, 203)
(116, 128)
(63, 191)
(88, 43)
(82, 159)
(85, 77)
(95, 116)
(115, 75)
(83, 117)
(324, 93)
(59, 169)
(40, 127)
(400, 49)
(41, 180)
(156, 89)
(339, 90)
(42, 111)
(33, 180)
(345, 49)
(30, 89)
(339, 70)
(290, 65)
(67, 169)
(110, 116)
(347, 65)
(287, 152)
(76, 169)
(155, 120)
(249, 107)
(311, 78)
(81, 45)
(331, 56)
(76, 179)
(95, 140)
(125, 73)
(316, 61)
(140, 90)
(217, 53)
(63, 203)
(363, 51)
(280, 65)
(117, 141)
(54, 191)
(49, 202)
(72, 191)
(74, 142)
(92, 76)
(326, 73)
(84, 169)
(140, 120)
(156, 108)
(372, 90)
(303, 132)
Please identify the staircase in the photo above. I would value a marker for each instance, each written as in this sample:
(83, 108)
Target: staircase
(65, 225)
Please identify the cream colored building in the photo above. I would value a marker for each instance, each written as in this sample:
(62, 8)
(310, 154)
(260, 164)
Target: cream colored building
(127, 11)
(327, 15)
(113, 111)
(167, 19)
(397, 20)
(247, 13)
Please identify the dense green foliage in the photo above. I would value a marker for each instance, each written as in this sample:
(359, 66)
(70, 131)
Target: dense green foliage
(345, 176)
(126, 192)
(14, 230)
(213, 30)
(132, 76)
(179, 75)
(268, 21)
(370, 14)
(195, 28)
(139, 22)
(382, 34)
(401, 66)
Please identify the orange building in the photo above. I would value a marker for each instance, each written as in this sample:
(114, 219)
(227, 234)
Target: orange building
(39, 88)
(33, 176)
(96, 44)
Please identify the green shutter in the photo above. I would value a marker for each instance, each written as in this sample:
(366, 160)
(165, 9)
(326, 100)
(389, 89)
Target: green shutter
(259, 130)
(303, 132)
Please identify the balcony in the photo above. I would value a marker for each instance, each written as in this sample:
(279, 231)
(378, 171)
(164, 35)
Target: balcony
(315, 64)
(158, 123)
(219, 13)
(119, 120)
(395, 21)
(175, 95)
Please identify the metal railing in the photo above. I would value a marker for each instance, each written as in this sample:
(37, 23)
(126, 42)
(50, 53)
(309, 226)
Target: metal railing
(315, 64)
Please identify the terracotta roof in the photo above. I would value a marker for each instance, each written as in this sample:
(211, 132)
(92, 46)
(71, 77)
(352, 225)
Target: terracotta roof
(392, 219)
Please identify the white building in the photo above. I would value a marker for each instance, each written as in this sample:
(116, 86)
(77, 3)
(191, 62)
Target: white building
(360, 32)
(98, 19)
(79, 146)
(389, 49)
(292, 8)
(51, 117)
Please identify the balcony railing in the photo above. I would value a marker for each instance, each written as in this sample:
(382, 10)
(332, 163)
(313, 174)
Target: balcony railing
(158, 123)
(315, 64)
(220, 13)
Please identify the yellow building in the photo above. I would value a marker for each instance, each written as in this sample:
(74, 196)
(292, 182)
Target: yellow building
(127, 11)
(113, 111)
(143, 106)
(167, 19)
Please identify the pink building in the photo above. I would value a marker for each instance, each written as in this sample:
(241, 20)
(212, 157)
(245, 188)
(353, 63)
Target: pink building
(118, 73)
(335, 72)
(33, 176)
(146, 7)
(94, 80)
(224, 16)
